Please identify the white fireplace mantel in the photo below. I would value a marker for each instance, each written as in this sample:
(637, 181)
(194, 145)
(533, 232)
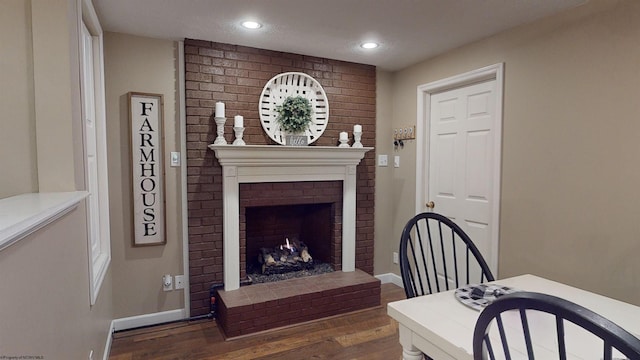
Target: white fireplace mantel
(274, 163)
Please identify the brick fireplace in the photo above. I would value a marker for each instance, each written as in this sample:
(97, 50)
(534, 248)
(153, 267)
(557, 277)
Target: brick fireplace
(276, 165)
(236, 75)
(278, 175)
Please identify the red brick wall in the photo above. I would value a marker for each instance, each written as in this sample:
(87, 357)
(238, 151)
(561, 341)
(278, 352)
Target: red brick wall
(236, 75)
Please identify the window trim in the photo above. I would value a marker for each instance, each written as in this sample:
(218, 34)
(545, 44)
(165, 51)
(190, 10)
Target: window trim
(99, 266)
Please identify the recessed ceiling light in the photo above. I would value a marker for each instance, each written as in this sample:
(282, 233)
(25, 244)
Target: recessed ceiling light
(369, 45)
(251, 25)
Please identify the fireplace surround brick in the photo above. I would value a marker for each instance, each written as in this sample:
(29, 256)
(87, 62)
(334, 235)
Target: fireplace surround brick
(236, 75)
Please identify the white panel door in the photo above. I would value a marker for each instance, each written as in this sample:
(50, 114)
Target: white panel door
(461, 160)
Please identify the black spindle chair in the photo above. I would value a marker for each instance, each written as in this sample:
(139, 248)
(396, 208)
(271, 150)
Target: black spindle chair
(613, 336)
(437, 255)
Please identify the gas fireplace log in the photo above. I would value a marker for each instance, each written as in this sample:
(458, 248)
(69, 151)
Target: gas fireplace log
(268, 260)
(281, 268)
(305, 256)
(281, 260)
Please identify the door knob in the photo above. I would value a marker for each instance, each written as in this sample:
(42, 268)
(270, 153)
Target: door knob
(431, 205)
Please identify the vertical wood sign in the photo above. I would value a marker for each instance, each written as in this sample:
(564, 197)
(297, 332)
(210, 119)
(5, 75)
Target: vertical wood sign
(145, 114)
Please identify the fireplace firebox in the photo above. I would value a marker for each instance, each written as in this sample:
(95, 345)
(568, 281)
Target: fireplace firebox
(307, 212)
(287, 231)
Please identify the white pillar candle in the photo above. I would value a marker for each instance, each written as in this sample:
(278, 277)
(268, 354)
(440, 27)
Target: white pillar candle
(219, 109)
(238, 121)
(344, 136)
(357, 128)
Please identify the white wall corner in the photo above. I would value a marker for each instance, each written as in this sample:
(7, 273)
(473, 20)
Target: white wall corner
(390, 278)
(107, 345)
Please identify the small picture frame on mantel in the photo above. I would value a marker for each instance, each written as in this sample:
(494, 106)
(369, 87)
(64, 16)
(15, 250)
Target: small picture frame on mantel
(296, 140)
(147, 183)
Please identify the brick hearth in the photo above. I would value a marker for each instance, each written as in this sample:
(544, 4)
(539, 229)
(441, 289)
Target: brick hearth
(266, 306)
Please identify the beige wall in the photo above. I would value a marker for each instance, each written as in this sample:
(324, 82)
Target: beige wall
(570, 144)
(141, 65)
(45, 305)
(40, 64)
(57, 93)
(395, 187)
(384, 244)
(18, 173)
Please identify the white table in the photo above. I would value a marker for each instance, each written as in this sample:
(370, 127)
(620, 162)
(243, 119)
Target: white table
(442, 327)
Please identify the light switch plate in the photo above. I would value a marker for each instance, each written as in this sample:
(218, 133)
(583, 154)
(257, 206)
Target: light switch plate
(175, 158)
(396, 161)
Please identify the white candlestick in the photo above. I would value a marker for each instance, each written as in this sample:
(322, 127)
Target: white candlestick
(357, 128)
(344, 135)
(357, 135)
(238, 140)
(238, 121)
(220, 140)
(220, 109)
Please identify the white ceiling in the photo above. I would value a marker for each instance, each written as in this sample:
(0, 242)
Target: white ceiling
(409, 31)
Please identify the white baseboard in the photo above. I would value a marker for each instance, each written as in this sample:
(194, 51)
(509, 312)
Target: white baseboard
(107, 346)
(148, 319)
(390, 278)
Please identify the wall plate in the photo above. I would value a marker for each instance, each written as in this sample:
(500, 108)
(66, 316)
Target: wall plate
(175, 158)
(383, 160)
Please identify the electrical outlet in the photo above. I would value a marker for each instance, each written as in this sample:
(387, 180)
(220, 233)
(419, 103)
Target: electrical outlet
(396, 161)
(167, 283)
(383, 160)
(396, 258)
(179, 282)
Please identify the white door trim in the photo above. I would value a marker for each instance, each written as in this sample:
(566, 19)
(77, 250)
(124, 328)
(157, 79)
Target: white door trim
(183, 178)
(491, 72)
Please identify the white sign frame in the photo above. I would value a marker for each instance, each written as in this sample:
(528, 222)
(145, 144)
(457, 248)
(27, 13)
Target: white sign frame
(147, 168)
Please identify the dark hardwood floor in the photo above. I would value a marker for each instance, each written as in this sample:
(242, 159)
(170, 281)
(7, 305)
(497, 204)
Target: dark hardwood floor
(368, 334)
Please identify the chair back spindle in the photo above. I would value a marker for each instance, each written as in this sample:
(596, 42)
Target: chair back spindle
(437, 255)
(616, 342)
